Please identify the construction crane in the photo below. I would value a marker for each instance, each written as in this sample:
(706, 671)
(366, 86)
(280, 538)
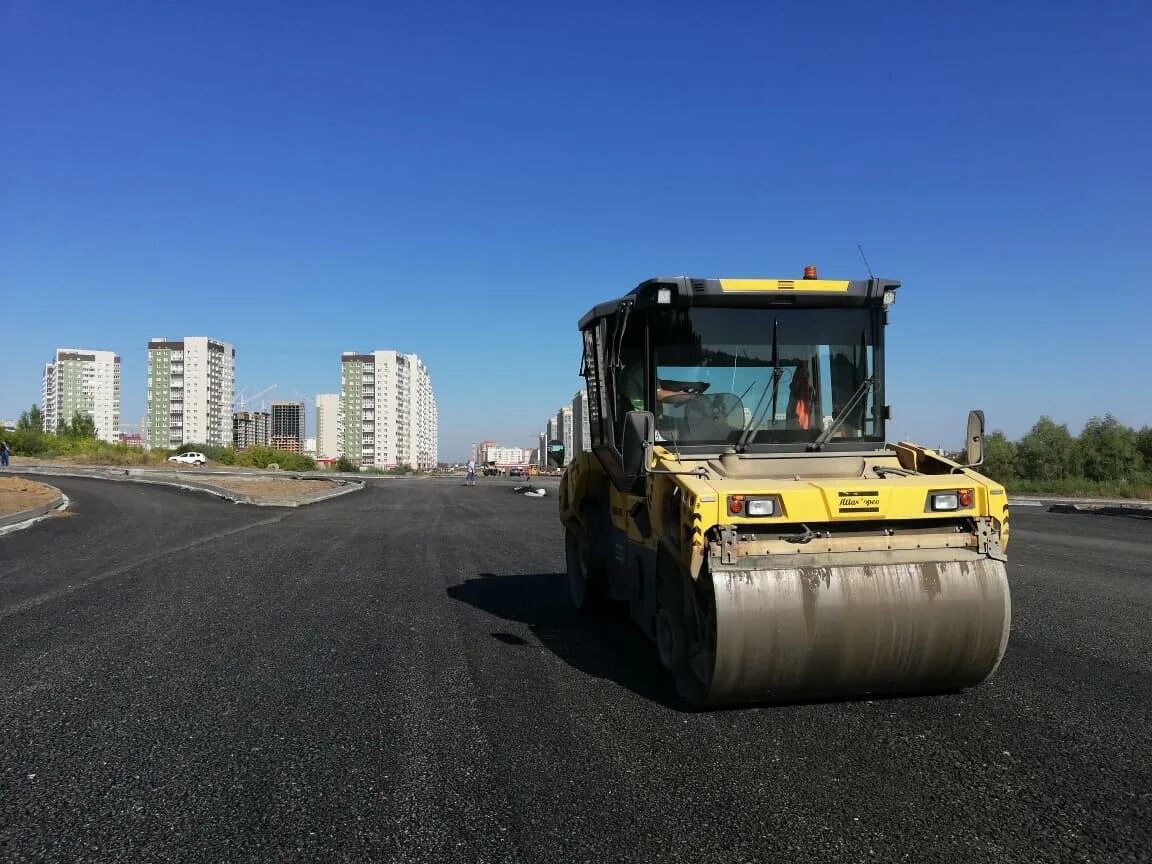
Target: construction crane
(243, 400)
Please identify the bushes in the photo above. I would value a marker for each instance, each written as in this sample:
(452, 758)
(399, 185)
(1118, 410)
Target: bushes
(28, 442)
(1107, 459)
(84, 450)
(262, 457)
(80, 445)
(346, 465)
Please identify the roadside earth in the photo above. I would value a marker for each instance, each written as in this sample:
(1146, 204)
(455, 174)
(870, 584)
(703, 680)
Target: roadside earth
(18, 494)
(288, 489)
(262, 488)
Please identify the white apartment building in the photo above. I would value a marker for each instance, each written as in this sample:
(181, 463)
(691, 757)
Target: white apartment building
(80, 380)
(191, 387)
(564, 431)
(389, 410)
(581, 429)
(506, 456)
(329, 425)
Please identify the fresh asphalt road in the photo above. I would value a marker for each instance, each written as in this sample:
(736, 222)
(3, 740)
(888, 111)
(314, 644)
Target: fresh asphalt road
(395, 675)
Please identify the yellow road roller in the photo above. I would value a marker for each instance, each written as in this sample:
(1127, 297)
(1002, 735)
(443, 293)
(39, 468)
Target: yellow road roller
(740, 497)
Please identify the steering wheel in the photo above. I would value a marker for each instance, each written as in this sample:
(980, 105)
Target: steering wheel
(713, 416)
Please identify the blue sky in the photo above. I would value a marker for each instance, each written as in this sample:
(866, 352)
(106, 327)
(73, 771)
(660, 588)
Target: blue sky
(464, 180)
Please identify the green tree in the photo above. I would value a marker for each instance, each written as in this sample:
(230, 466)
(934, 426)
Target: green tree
(347, 465)
(31, 420)
(1144, 445)
(1048, 452)
(1109, 450)
(82, 426)
(999, 457)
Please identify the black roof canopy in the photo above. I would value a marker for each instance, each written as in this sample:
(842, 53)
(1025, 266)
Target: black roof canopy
(746, 292)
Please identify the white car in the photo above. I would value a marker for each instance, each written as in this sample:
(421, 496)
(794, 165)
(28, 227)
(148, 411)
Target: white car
(189, 458)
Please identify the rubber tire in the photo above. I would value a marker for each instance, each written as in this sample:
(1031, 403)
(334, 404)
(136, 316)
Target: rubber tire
(693, 689)
(586, 587)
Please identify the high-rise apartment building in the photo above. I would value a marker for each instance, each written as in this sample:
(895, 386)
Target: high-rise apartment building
(329, 425)
(564, 431)
(581, 430)
(478, 451)
(389, 410)
(288, 426)
(82, 381)
(191, 385)
(250, 429)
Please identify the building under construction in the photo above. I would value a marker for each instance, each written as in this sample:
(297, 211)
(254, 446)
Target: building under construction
(250, 429)
(288, 426)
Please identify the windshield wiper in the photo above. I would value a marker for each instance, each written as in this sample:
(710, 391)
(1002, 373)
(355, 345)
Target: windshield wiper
(865, 387)
(754, 420)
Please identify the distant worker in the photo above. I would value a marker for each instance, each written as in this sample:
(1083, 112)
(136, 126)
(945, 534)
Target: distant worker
(471, 472)
(4, 451)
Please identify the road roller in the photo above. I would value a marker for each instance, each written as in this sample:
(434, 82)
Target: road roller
(737, 492)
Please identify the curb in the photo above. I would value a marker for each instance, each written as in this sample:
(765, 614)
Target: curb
(1088, 506)
(1103, 510)
(200, 486)
(23, 518)
(1042, 500)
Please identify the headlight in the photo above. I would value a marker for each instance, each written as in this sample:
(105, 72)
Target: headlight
(742, 505)
(945, 501)
(761, 507)
(950, 499)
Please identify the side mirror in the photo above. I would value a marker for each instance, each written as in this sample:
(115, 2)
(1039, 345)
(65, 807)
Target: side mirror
(974, 443)
(556, 454)
(639, 433)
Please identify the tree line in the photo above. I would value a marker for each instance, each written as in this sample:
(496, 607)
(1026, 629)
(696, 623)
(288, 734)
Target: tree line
(31, 423)
(76, 438)
(1106, 451)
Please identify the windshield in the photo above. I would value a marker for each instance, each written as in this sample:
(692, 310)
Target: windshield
(764, 376)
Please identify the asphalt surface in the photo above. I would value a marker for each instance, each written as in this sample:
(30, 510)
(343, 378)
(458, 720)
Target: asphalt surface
(395, 675)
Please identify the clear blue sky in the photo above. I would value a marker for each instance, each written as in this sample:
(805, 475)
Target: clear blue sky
(464, 180)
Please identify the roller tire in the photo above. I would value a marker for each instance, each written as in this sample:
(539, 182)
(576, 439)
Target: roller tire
(587, 588)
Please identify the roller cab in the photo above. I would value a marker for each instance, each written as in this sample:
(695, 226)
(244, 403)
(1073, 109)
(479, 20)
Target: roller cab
(741, 499)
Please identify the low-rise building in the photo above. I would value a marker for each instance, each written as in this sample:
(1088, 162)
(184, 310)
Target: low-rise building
(132, 439)
(505, 457)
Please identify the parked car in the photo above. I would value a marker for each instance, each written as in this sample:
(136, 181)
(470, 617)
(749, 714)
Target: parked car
(189, 458)
(516, 472)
